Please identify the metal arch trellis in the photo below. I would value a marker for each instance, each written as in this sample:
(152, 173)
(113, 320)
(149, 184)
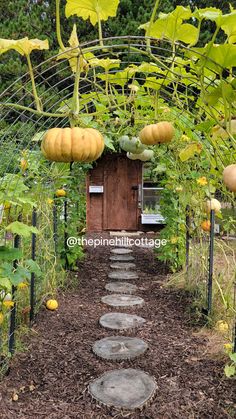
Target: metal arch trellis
(60, 91)
(132, 52)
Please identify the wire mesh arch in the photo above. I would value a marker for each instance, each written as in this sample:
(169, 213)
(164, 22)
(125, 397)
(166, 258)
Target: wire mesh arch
(131, 51)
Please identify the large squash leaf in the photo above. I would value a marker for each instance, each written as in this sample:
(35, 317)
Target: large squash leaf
(21, 229)
(24, 46)
(228, 24)
(217, 57)
(170, 26)
(190, 151)
(209, 13)
(92, 9)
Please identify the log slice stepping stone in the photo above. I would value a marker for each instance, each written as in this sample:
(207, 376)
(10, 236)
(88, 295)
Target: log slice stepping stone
(122, 275)
(118, 348)
(122, 300)
(121, 251)
(121, 321)
(122, 287)
(123, 265)
(122, 258)
(123, 388)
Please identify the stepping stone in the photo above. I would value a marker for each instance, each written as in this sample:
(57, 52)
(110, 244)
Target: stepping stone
(123, 388)
(121, 251)
(122, 258)
(118, 348)
(121, 321)
(122, 287)
(121, 300)
(123, 265)
(122, 275)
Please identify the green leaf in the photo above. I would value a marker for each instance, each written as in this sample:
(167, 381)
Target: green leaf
(33, 266)
(21, 229)
(216, 57)
(109, 143)
(106, 63)
(229, 370)
(39, 136)
(94, 10)
(233, 357)
(189, 151)
(170, 26)
(10, 254)
(24, 46)
(209, 13)
(228, 25)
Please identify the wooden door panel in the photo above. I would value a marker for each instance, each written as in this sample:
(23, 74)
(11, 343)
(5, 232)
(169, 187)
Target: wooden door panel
(121, 179)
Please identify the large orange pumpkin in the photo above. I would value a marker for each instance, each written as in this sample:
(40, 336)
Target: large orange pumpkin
(162, 132)
(72, 144)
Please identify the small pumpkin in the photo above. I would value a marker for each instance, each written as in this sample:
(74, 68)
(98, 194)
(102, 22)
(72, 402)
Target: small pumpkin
(52, 304)
(60, 193)
(206, 225)
(132, 145)
(72, 144)
(229, 177)
(144, 156)
(162, 132)
(213, 204)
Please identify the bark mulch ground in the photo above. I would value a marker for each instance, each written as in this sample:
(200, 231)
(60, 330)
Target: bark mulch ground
(52, 376)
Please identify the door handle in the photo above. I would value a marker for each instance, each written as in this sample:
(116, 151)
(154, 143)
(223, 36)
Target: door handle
(134, 188)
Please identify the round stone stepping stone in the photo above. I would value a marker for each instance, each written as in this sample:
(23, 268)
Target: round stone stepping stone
(123, 265)
(122, 275)
(117, 348)
(122, 287)
(122, 300)
(122, 258)
(121, 321)
(123, 388)
(121, 251)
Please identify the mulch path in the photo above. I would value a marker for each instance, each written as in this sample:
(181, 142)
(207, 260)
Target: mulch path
(52, 377)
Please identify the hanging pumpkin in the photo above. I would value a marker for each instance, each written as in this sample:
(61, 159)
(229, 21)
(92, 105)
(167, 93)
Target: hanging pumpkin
(144, 156)
(72, 144)
(229, 177)
(132, 145)
(162, 132)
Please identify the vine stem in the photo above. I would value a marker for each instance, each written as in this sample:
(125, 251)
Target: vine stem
(58, 26)
(36, 112)
(150, 24)
(100, 31)
(75, 101)
(36, 98)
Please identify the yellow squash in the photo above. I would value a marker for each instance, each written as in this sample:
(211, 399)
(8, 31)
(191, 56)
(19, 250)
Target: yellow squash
(52, 304)
(72, 144)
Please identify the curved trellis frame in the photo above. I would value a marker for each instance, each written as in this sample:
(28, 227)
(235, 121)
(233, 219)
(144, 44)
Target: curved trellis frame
(131, 51)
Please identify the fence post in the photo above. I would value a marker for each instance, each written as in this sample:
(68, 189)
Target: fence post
(211, 261)
(11, 341)
(187, 236)
(33, 257)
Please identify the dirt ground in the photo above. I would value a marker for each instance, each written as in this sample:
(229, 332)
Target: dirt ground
(51, 378)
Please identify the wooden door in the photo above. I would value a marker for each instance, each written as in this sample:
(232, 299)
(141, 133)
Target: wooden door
(122, 178)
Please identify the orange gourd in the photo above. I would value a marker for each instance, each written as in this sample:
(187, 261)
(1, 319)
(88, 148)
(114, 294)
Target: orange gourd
(162, 132)
(72, 144)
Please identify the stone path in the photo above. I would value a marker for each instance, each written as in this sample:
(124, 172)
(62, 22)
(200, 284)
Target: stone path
(122, 388)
